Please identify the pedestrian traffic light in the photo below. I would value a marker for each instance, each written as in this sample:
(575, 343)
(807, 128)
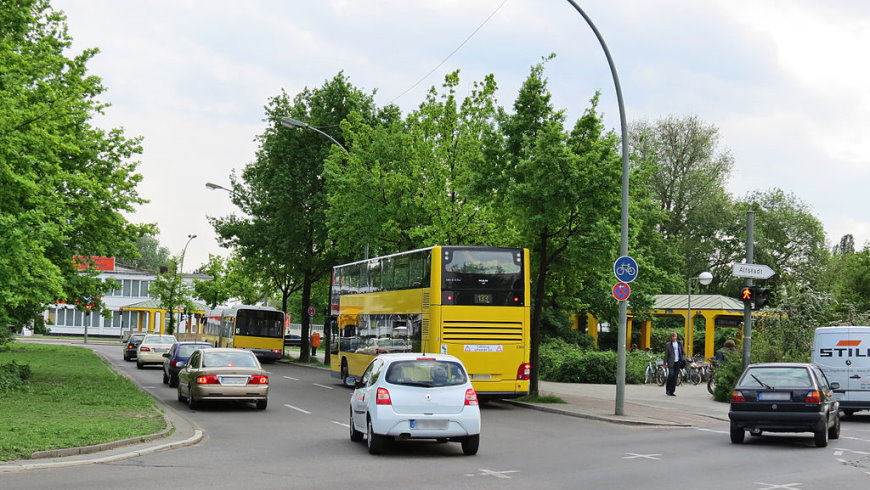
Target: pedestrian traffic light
(747, 294)
(762, 297)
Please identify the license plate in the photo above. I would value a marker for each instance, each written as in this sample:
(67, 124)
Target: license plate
(158, 349)
(233, 381)
(481, 377)
(428, 424)
(776, 395)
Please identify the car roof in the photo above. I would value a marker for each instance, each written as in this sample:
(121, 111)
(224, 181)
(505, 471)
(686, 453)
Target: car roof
(413, 356)
(190, 342)
(228, 349)
(782, 364)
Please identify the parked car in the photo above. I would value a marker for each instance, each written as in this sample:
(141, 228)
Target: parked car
(292, 340)
(177, 357)
(414, 396)
(784, 397)
(222, 374)
(131, 345)
(152, 348)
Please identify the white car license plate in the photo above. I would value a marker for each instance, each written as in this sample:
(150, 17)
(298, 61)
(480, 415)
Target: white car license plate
(428, 424)
(776, 396)
(226, 380)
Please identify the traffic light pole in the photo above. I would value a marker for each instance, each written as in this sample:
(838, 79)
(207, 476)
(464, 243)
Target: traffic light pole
(747, 305)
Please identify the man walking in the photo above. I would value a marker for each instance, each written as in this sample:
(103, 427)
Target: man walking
(673, 360)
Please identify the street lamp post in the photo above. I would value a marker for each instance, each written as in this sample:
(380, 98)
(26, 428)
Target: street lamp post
(289, 122)
(703, 279)
(174, 280)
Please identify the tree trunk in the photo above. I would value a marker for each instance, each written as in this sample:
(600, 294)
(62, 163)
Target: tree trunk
(537, 310)
(305, 346)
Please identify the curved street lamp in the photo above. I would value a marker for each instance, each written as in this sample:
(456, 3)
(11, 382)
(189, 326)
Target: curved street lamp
(703, 279)
(289, 122)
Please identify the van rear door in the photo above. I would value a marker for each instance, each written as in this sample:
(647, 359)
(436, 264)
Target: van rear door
(844, 355)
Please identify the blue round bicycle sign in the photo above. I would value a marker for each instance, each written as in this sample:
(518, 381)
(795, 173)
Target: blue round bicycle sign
(625, 269)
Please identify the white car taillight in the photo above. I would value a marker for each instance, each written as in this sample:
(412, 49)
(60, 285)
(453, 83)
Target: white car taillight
(470, 397)
(383, 397)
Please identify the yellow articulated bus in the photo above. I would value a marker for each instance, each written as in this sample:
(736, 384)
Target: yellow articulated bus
(469, 302)
(259, 329)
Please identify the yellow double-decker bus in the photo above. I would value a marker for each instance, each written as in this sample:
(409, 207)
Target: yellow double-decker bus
(259, 329)
(469, 302)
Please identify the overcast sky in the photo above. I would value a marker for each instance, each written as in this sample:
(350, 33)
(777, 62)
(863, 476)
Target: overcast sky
(786, 81)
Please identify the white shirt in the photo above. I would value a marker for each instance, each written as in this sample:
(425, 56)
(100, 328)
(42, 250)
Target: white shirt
(676, 351)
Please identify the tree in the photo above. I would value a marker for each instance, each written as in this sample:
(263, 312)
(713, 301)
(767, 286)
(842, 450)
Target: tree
(561, 190)
(283, 192)
(64, 184)
(174, 294)
(151, 256)
(214, 291)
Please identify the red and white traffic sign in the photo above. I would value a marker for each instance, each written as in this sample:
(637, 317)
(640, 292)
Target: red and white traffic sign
(621, 291)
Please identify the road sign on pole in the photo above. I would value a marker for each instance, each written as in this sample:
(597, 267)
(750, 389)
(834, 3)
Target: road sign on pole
(625, 269)
(621, 291)
(752, 271)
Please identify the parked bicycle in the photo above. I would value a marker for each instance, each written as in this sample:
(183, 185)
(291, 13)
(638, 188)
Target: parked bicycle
(655, 371)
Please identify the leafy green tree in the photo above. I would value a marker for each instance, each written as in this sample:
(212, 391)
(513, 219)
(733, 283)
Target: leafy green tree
(173, 292)
(283, 192)
(64, 184)
(150, 257)
(214, 291)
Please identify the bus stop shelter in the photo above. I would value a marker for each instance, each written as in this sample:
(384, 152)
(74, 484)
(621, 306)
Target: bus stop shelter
(152, 318)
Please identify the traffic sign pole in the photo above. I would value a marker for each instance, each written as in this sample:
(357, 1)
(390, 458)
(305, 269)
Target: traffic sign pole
(747, 306)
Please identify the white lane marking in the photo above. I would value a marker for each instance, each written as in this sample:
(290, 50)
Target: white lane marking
(288, 377)
(704, 429)
(790, 486)
(306, 412)
(497, 474)
(841, 449)
(346, 426)
(645, 456)
(323, 386)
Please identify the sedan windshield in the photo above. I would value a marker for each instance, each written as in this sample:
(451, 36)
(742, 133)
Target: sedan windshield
(426, 373)
(228, 359)
(776, 377)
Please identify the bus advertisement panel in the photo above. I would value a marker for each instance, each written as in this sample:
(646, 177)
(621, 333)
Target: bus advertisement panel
(469, 302)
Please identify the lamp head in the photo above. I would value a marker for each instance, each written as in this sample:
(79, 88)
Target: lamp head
(292, 123)
(705, 278)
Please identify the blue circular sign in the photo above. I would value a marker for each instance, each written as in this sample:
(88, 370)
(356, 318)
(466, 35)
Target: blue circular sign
(625, 269)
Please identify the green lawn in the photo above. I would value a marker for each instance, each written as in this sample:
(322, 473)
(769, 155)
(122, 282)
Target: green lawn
(73, 399)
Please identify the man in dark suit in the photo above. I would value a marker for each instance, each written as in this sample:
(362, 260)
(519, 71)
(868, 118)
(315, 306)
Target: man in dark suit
(674, 355)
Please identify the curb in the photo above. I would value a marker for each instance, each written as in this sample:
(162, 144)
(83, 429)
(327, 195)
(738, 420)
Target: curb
(614, 419)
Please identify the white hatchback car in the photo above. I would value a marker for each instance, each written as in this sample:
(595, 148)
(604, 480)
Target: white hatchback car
(414, 396)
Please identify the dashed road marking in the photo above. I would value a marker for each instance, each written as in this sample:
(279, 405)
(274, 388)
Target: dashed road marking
(288, 377)
(346, 426)
(306, 412)
(645, 456)
(790, 486)
(324, 386)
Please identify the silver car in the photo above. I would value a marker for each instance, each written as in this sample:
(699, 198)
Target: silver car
(414, 396)
(223, 375)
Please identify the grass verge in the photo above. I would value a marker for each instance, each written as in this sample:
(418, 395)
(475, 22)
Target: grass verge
(73, 398)
(541, 399)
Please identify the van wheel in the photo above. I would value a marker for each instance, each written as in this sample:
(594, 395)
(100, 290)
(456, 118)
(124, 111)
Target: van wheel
(848, 413)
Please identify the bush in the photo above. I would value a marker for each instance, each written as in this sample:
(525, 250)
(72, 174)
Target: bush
(727, 373)
(14, 376)
(567, 363)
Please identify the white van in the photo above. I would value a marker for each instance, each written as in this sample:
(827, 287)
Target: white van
(843, 353)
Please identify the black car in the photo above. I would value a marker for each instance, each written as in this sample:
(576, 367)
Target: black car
(177, 358)
(292, 340)
(784, 397)
(131, 345)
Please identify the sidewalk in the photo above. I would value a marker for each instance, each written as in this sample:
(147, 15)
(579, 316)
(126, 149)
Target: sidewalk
(642, 404)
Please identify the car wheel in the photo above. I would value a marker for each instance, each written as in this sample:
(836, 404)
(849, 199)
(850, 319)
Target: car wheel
(834, 431)
(355, 435)
(375, 442)
(821, 435)
(165, 378)
(191, 402)
(848, 413)
(737, 434)
(139, 364)
(261, 404)
(470, 445)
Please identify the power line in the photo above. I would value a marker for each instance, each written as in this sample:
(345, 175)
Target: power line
(451, 53)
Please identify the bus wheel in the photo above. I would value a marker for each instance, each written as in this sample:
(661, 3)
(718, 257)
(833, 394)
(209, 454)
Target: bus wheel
(344, 371)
